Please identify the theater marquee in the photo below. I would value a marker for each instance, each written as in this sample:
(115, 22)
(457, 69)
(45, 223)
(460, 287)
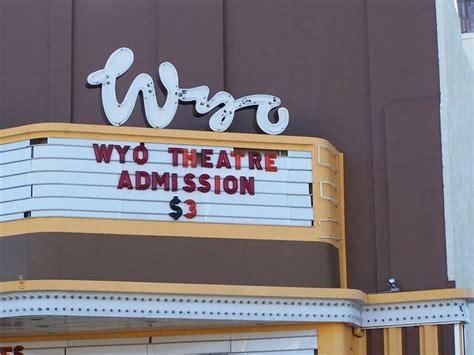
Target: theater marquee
(289, 186)
(226, 183)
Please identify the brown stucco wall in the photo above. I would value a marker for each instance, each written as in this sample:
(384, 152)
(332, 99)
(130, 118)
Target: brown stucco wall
(70, 256)
(360, 73)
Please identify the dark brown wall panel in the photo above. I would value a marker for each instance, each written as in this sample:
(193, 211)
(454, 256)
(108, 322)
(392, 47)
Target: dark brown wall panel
(35, 61)
(313, 55)
(190, 35)
(411, 341)
(446, 345)
(12, 258)
(101, 27)
(167, 259)
(415, 194)
(375, 342)
(403, 65)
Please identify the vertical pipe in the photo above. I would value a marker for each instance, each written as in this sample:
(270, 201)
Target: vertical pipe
(335, 339)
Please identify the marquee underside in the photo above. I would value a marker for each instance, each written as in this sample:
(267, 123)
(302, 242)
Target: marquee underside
(51, 313)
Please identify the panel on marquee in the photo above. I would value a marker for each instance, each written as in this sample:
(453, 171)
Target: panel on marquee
(109, 350)
(111, 192)
(16, 193)
(12, 156)
(196, 347)
(130, 180)
(15, 168)
(277, 352)
(14, 145)
(172, 182)
(156, 156)
(44, 352)
(11, 216)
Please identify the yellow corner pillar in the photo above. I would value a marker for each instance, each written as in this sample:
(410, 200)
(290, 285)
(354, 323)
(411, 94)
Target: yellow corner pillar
(429, 340)
(360, 341)
(392, 339)
(335, 339)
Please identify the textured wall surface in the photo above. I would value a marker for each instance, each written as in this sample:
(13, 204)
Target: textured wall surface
(457, 130)
(468, 46)
(360, 73)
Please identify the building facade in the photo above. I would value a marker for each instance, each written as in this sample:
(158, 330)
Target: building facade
(343, 231)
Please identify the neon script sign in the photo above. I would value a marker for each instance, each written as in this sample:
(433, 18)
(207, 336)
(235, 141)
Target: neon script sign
(159, 117)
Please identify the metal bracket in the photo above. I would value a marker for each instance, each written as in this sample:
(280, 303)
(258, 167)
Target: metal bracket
(49, 305)
(330, 237)
(326, 197)
(415, 313)
(168, 306)
(333, 220)
(332, 151)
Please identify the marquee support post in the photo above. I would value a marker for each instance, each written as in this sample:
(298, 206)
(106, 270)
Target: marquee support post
(335, 339)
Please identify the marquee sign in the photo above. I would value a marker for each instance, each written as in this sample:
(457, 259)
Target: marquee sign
(189, 182)
(159, 117)
(129, 180)
(174, 178)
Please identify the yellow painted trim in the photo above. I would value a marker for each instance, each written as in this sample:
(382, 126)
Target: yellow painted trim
(342, 228)
(335, 339)
(429, 340)
(327, 331)
(392, 341)
(232, 290)
(431, 295)
(155, 228)
(138, 134)
(164, 332)
(185, 289)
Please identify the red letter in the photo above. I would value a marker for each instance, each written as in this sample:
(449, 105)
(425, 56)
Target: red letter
(124, 180)
(223, 160)
(206, 157)
(175, 152)
(103, 153)
(18, 350)
(189, 157)
(188, 180)
(136, 152)
(205, 185)
(270, 162)
(142, 184)
(217, 184)
(230, 184)
(157, 180)
(192, 209)
(5, 351)
(247, 184)
(254, 160)
(237, 156)
(174, 182)
(121, 152)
